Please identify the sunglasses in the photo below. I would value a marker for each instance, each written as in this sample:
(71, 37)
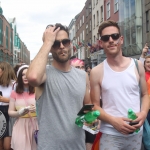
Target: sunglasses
(114, 36)
(65, 42)
(82, 67)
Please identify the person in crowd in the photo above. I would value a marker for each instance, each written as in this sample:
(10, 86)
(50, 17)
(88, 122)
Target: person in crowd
(22, 107)
(145, 59)
(116, 80)
(89, 138)
(16, 68)
(78, 63)
(62, 91)
(88, 69)
(7, 77)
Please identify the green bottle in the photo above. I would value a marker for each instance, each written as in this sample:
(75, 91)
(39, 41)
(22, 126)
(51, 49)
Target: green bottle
(132, 115)
(88, 118)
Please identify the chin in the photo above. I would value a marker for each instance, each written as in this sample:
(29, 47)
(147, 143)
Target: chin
(26, 83)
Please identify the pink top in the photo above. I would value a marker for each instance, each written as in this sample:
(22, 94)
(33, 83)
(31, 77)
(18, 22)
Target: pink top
(23, 100)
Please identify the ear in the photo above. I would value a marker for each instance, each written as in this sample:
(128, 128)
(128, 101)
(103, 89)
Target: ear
(101, 43)
(122, 39)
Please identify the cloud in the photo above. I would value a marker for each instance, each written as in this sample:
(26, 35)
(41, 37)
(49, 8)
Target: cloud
(32, 17)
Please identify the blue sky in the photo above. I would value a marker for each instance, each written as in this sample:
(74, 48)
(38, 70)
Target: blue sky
(32, 16)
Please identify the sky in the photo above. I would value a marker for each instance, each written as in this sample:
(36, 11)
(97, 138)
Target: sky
(32, 17)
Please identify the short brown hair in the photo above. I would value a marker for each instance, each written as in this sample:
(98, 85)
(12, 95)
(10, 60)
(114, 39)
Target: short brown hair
(108, 23)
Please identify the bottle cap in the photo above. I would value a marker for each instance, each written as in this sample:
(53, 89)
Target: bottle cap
(96, 113)
(130, 111)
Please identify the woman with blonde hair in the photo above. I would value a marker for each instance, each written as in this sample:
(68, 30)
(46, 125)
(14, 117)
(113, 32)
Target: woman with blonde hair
(7, 77)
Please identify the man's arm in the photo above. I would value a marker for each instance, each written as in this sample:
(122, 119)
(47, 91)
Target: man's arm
(145, 101)
(119, 123)
(144, 51)
(87, 99)
(36, 72)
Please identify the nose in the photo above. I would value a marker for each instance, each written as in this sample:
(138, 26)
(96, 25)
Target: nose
(61, 45)
(110, 39)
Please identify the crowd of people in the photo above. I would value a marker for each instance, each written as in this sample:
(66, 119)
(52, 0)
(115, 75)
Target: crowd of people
(48, 98)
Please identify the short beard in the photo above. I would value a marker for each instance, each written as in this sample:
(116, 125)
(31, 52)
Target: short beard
(55, 56)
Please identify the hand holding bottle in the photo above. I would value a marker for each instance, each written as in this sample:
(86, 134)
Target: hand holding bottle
(23, 111)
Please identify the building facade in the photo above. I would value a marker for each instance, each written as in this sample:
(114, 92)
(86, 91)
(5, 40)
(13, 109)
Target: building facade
(6, 39)
(132, 16)
(130, 21)
(146, 22)
(12, 49)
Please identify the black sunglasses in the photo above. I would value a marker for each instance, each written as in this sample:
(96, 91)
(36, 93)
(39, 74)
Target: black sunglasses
(65, 42)
(114, 36)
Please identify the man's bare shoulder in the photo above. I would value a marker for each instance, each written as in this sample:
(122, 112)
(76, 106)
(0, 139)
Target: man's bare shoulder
(98, 68)
(96, 74)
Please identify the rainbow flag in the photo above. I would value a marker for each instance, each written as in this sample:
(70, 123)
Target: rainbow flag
(95, 145)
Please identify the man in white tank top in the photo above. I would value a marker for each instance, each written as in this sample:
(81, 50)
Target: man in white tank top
(116, 81)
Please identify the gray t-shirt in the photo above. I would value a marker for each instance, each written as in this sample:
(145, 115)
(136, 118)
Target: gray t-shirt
(58, 106)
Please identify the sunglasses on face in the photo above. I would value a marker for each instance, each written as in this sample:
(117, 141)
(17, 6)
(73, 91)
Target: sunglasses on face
(65, 42)
(82, 67)
(114, 36)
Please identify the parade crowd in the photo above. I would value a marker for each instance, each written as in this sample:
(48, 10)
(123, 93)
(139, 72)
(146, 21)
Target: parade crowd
(40, 102)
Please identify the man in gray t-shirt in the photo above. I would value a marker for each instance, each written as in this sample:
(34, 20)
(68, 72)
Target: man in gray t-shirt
(61, 90)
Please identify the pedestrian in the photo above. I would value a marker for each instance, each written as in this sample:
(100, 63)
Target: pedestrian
(145, 59)
(116, 80)
(62, 91)
(89, 138)
(22, 107)
(7, 77)
(88, 69)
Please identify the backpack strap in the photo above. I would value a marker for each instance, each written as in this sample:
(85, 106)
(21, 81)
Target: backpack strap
(137, 67)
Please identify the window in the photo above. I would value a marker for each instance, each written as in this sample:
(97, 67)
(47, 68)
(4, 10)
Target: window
(11, 41)
(116, 5)
(86, 28)
(80, 36)
(96, 2)
(93, 3)
(78, 26)
(83, 19)
(90, 8)
(94, 21)
(80, 23)
(97, 18)
(73, 33)
(147, 21)
(6, 37)
(108, 10)
(16, 39)
(101, 13)
(87, 12)
(1, 55)
(83, 35)
(1, 31)
(90, 25)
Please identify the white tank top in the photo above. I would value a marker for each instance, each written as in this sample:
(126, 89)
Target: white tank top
(120, 91)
